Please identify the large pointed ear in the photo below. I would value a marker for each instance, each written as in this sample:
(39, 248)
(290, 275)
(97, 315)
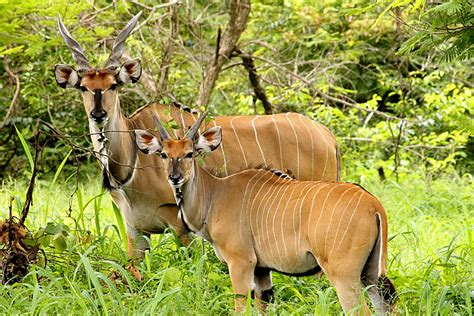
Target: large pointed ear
(147, 143)
(130, 71)
(66, 76)
(208, 140)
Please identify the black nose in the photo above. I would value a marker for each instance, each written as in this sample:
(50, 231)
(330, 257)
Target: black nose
(175, 178)
(99, 116)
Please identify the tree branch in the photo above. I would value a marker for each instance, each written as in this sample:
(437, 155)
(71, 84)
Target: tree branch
(239, 12)
(12, 108)
(323, 95)
(29, 193)
(248, 63)
(168, 50)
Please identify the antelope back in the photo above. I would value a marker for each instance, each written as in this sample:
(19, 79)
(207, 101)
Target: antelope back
(287, 141)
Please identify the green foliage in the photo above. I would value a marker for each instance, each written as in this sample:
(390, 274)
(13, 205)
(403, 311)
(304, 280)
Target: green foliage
(344, 49)
(430, 258)
(445, 27)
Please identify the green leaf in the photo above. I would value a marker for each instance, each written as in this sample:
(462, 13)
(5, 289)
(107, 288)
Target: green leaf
(11, 51)
(61, 166)
(59, 241)
(25, 148)
(120, 224)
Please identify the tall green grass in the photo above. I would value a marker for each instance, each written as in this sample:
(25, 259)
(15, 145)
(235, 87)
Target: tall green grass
(430, 258)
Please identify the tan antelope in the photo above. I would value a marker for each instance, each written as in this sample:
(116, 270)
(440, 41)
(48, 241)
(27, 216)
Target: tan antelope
(258, 221)
(137, 182)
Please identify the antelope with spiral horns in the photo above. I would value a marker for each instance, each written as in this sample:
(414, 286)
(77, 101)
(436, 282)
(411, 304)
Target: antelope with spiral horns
(138, 183)
(258, 220)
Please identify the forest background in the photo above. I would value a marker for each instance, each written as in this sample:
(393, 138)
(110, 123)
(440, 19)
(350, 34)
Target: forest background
(393, 80)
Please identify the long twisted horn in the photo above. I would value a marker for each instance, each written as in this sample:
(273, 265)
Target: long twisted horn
(191, 134)
(117, 50)
(76, 49)
(163, 133)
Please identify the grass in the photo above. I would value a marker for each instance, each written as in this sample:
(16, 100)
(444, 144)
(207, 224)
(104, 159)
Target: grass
(430, 258)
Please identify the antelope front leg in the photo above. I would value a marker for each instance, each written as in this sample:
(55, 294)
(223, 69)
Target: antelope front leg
(241, 273)
(137, 245)
(169, 213)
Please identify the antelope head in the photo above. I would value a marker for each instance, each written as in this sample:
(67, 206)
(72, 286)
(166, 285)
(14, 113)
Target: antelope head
(178, 154)
(98, 86)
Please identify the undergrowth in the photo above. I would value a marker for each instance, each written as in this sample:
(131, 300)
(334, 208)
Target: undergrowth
(430, 257)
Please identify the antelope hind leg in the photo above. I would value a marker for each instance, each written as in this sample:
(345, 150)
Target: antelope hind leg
(347, 281)
(263, 288)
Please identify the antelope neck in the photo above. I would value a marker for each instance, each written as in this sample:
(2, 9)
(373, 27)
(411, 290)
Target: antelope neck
(118, 165)
(195, 203)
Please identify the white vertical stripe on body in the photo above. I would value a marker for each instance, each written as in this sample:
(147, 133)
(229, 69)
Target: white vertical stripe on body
(264, 226)
(277, 209)
(339, 224)
(350, 220)
(312, 146)
(325, 146)
(238, 140)
(322, 208)
(298, 240)
(256, 139)
(310, 211)
(297, 147)
(257, 196)
(223, 153)
(273, 210)
(332, 214)
(282, 218)
(300, 215)
(241, 221)
(279, 142)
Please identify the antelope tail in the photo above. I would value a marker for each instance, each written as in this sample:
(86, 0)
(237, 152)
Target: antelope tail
(375, 269)
(383, 282)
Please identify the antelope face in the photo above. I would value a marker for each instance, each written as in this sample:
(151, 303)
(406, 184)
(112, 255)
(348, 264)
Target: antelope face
(98, 86)
(177, 155)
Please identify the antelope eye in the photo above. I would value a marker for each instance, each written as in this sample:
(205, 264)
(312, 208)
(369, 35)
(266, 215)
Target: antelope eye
(163, 155)
(189, 155)
(113, 86)
(83, 88)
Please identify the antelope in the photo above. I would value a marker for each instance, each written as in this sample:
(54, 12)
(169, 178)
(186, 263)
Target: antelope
(258, 221)
(137, 182)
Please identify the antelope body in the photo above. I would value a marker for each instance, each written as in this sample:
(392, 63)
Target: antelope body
(258, 221)
(137, 182)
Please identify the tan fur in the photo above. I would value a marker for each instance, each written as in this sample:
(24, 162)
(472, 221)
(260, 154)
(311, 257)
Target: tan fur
(98, 80)
(138, 184)
(145, 199)
(255, 219)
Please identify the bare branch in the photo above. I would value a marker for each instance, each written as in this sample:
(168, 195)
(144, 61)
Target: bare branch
(168, 49)
(323, 95)
(29, 193)
(12, 108)
(248, 63)
(239, 11)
